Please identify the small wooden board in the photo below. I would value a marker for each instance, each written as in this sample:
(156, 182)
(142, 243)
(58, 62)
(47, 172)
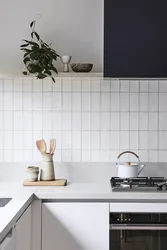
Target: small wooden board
(58, 182)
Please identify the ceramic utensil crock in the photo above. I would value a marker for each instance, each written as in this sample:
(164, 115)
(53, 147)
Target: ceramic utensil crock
(129, 169)
(47, 168)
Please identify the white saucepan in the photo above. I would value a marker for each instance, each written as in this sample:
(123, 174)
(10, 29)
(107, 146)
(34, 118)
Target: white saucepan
(129, 169)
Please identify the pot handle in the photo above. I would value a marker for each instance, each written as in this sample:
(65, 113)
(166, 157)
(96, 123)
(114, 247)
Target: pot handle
(127, 152)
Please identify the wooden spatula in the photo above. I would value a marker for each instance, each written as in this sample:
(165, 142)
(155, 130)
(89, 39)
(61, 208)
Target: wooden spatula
(41, 145)
(52, 145)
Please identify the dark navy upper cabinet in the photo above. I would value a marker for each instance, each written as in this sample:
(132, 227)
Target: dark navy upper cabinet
(135, 38)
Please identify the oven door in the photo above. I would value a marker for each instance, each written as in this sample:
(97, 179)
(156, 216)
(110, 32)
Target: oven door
(138, 237)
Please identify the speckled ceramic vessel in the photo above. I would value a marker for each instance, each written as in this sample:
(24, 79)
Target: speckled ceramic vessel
(81, 67)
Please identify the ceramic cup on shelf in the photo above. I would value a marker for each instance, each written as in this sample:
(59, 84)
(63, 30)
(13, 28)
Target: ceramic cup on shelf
(47, 168)
(65, 60)
(33, 173)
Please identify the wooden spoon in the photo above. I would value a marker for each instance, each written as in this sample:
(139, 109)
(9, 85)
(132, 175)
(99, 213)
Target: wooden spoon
(41, 145)
(51, 146)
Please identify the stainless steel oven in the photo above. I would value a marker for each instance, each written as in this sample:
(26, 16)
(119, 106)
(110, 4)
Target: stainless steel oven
(138, 231)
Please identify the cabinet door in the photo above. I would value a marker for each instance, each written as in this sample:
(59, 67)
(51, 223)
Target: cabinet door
(23, 231)
(75, 226)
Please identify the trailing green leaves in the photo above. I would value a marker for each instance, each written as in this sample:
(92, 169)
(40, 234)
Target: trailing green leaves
(38, 56)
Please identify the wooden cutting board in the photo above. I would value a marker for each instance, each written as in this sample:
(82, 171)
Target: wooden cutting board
(58, 182)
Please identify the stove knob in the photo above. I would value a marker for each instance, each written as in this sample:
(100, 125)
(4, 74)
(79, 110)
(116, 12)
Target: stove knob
(118, 219)
(129, 219)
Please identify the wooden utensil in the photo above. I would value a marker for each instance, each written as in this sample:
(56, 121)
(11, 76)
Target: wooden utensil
(51, 146)
(54, 145)
(41, 145)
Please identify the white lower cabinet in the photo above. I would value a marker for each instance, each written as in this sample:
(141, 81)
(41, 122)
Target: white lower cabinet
(75, 226)
(23, 231)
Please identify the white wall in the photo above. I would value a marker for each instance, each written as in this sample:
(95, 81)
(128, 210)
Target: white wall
(74, 27)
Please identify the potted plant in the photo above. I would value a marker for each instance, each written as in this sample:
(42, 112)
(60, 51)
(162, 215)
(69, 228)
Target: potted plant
(38, 56)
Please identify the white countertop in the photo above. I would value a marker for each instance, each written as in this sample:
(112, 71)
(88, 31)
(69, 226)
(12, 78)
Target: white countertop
(81, 191)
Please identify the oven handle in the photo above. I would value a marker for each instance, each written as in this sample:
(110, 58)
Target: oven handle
(138, 227)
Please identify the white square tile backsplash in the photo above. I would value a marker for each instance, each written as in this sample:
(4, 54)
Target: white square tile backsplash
(92, 119)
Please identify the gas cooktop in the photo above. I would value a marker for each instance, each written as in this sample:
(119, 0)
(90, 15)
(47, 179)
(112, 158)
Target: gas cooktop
(139, 184)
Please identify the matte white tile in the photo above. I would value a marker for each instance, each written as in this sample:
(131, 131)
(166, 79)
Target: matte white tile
(86, 101)
(8, 101)
(76, 101)
(114, 102)
(18, 85)
(114, 121)
(17, 101)
(124, 140)
(17, 140)
(153, 121)
(76, 121)
(76, 140)
(143, 154)
(124, 86)
(105, 155)
(8, 140)
(134, 102)
(105, 140)
(134, 86)
(1, 85)
(134, 140)
(153, 140)
(37, 85)
(76, 85)
(17, 116)
(47, 85)
(47, 101)
(46, 135)
(105, 85)
(143, 140)
(95, 121)
(66, 155)
(85, 120)
(76, 156)
(162, 102)
(153, 86)
(57, 156)
(57, 85)
(17, 155)
(95, 155)
(85, 156)
(153, 101)
(1, 120)
(143, 121)
(66, 101)
(66, 140)
(1, 140)
(95, 85)
(144, 86)
(47, 120)
(105, 102)
(85, 140)
(115, 85)
(27, 120)
(66, 121)
(143, 102)
(114, 140)
(58, 136)
(153, 156)
(8, 120)
(163, 140)
(27, 155)
(37, 135)
(37, 120)
(105, 121)
(57, 99)
(1, 101)
(27, 101)
(124, 121)
(8, 155)
(113, 155)
(27, 84)
(163, 86)
(57, 121)
(163, 121)
(134, 123)
(8, 85)
(124, 101)
(95, 139)
(36, 155)
(66, 85)
(162, 156)
(37, 101)
(95, 101)
(85, 85)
